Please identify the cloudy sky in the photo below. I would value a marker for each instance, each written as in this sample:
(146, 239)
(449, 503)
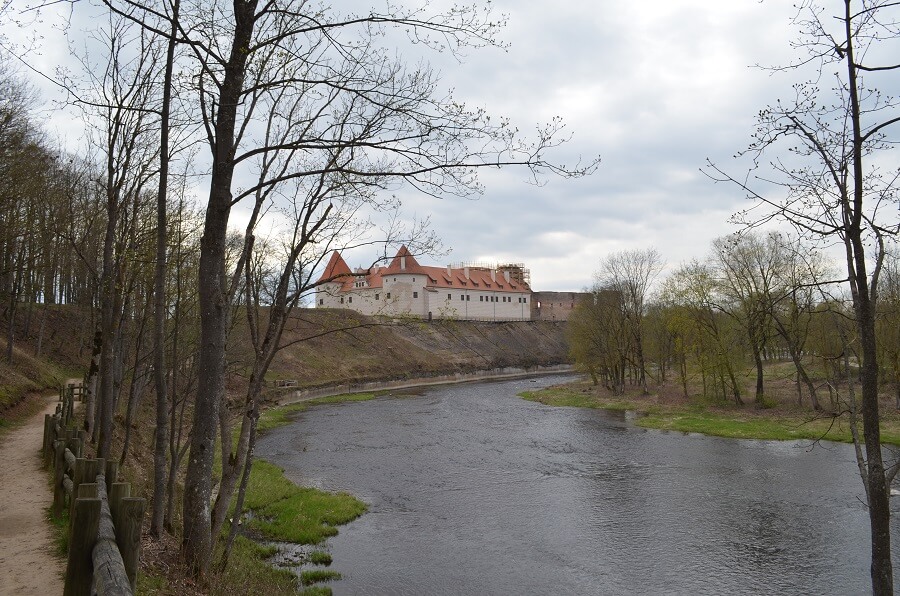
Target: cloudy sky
(654, 87)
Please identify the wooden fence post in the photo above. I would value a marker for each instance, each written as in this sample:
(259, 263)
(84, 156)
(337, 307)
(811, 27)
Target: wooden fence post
(119, 491)
(87, 490)
(79, 569)
(112, 473)
(128, 534)
(59, 469)
(47, 446)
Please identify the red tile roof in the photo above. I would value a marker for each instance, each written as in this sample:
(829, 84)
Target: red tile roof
(437, 277)
(335, 269)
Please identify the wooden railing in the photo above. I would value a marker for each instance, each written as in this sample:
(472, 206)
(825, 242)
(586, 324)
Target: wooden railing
(104, 520)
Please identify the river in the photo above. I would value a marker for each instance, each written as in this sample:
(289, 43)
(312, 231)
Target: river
(472, 489)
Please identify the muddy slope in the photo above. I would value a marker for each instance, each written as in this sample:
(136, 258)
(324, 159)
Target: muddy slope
(343, 346)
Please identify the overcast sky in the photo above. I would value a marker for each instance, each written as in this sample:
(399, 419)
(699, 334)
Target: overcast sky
(653, 86)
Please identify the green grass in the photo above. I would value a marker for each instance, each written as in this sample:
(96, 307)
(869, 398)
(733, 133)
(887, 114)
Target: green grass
(60, 530)
(563, 397)
(275, 417)
(320, 557)
(316, 591)
(151, 585)
(778, 429)
(315, 576)
(287, 512)
(698, 416)
(345, 397)
(248, 573)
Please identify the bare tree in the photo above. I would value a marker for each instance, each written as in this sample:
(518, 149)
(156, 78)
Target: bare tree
(630, 273)
(748, 268)
(695, 314)
(832, 187)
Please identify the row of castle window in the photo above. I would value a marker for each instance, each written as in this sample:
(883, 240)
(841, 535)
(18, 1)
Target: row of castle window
(522, 299)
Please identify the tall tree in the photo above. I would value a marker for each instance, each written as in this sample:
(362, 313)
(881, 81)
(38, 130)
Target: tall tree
(748, 267)
(630, 273)
(834, 186)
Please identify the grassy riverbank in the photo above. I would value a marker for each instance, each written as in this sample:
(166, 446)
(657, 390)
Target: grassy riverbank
(281, 511)
(695, 415)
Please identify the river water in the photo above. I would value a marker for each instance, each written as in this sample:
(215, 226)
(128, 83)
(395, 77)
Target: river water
(472, 490)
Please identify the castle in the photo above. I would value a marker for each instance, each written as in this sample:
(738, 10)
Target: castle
(404, 287)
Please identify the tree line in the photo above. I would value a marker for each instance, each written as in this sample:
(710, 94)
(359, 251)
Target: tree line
(755, 298)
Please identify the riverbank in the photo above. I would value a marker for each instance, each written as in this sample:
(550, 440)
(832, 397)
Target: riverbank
(348, 389)
(278, 514)
(665, 411)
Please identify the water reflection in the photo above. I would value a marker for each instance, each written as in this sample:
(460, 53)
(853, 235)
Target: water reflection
(473, 490)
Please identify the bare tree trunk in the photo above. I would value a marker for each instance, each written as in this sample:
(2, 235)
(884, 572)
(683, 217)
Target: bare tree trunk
(757, 361)
(107, 326)
(157, 515)
(91, 387)
(864, 305)
(198, 539)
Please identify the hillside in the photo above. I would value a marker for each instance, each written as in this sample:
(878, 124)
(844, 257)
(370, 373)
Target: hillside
(51, 343)
(323, 347)
(345, 346)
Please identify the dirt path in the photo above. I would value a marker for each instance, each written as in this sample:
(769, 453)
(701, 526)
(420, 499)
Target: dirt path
(27, 565)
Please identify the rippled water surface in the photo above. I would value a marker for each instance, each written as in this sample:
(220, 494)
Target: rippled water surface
(474, 490)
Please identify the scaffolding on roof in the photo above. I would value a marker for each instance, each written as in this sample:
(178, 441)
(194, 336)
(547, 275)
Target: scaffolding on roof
(517, 271)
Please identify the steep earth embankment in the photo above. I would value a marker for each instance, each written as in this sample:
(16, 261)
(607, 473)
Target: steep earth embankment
(324, 347)
(329, 347)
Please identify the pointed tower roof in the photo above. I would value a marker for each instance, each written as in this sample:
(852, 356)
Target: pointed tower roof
(335, 269)
(404, 262)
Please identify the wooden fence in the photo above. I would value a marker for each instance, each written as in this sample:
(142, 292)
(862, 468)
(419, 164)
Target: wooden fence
(104, 520)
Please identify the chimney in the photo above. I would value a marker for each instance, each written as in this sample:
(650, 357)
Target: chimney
(506, 275)
(466, 272)
(494, 275)
(403, 262)
(449, 271)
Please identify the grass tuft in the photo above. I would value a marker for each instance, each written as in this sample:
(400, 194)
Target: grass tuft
(60, 531)
(320, 557)
(314, 576)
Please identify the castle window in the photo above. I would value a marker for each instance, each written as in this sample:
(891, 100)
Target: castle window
(449, 296)
(467, 296)
(342, 299)
(481, 299)
(524, 300)
(461, 297)
(376, 296)
(415, 294)
(321, 301)
(350, 300)
(388, 295)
